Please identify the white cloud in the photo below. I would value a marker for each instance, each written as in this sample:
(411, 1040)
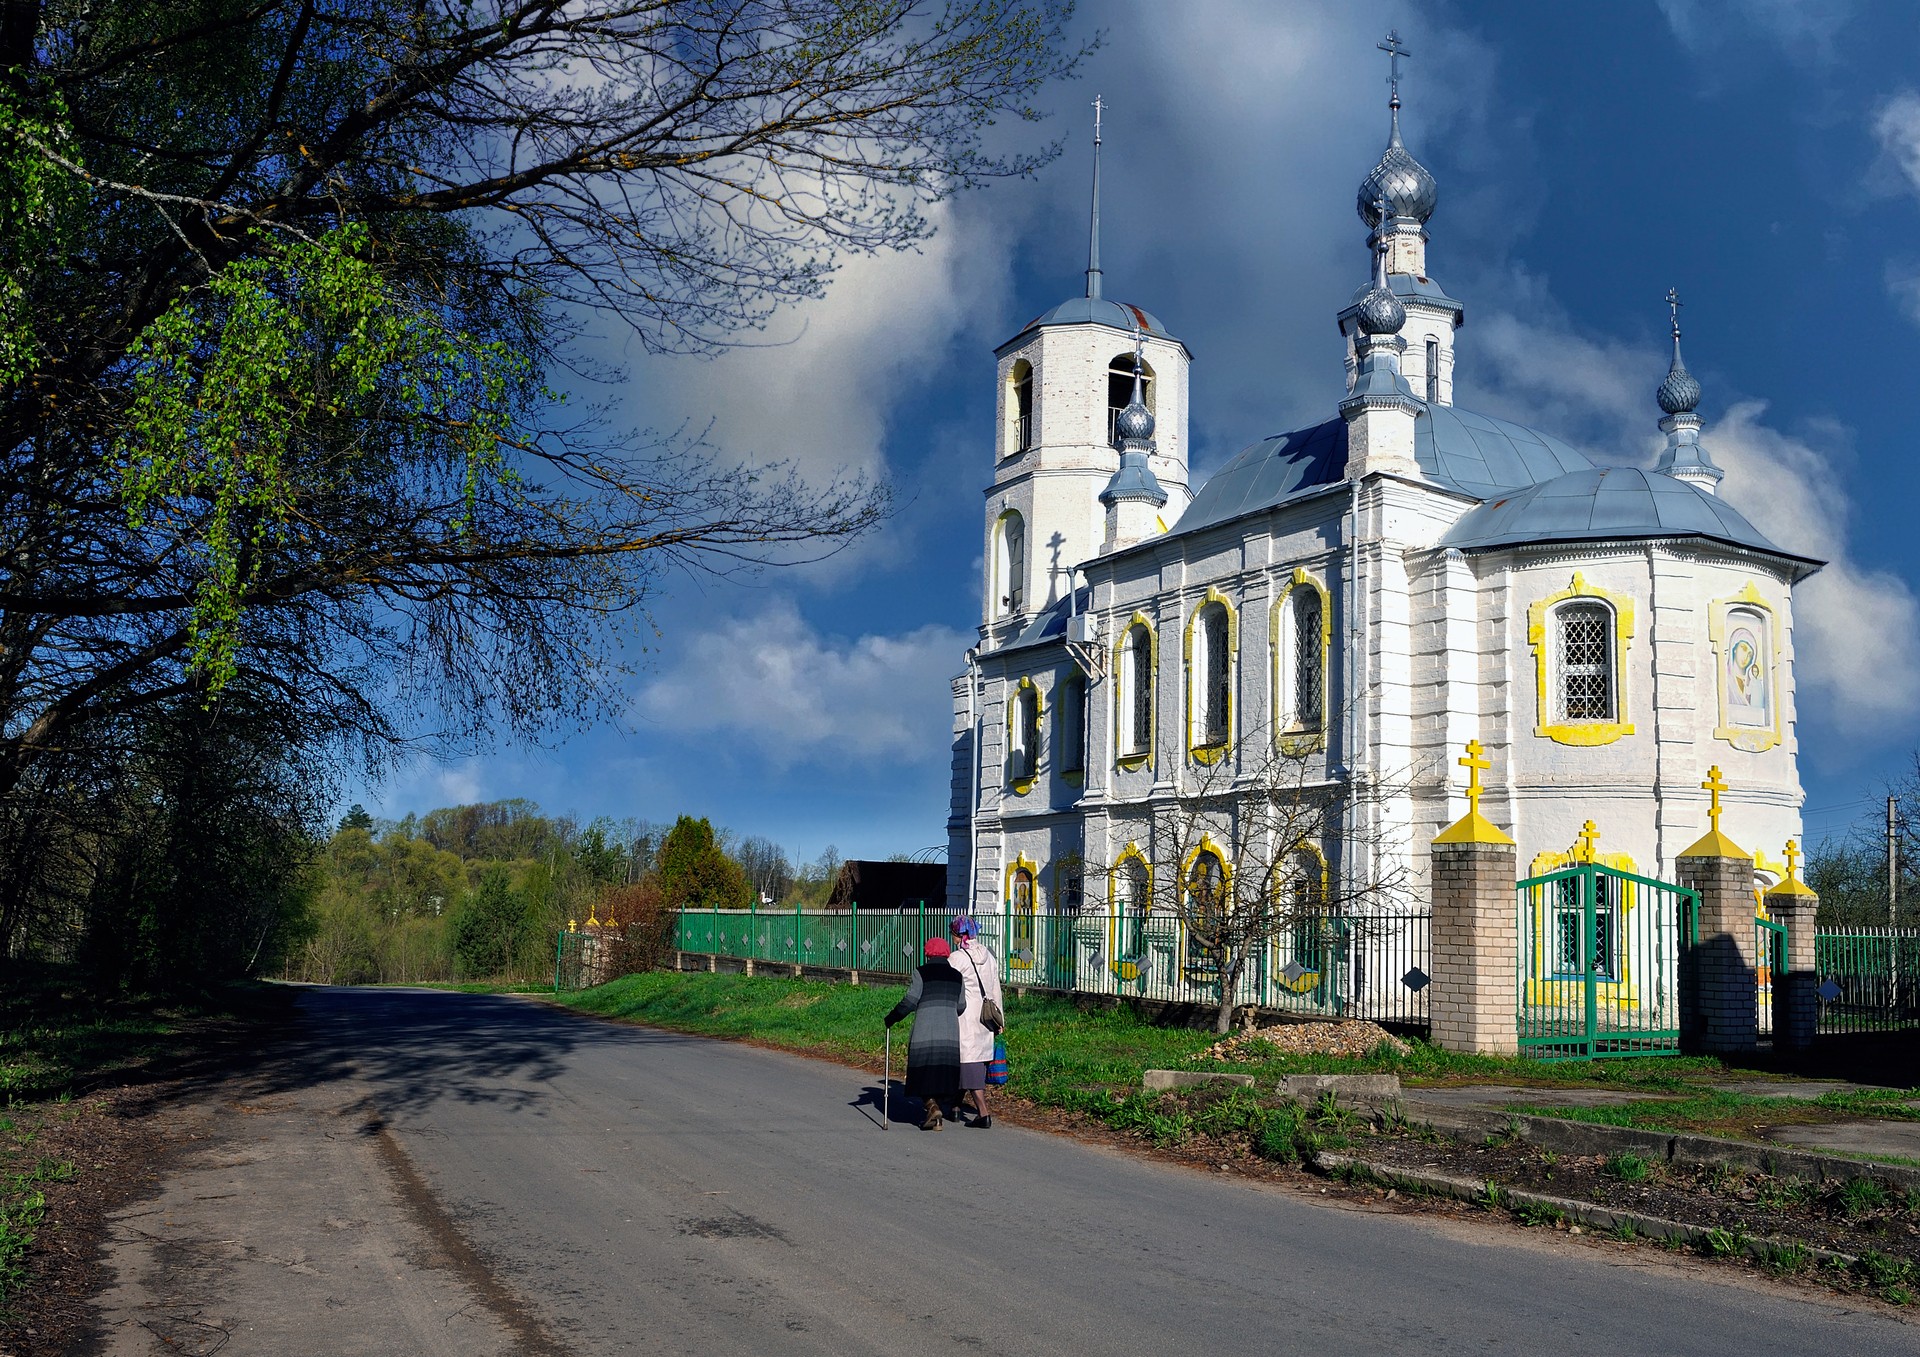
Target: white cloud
(1801, 28)
(773, 688)
(817, 390)
(1896, 126)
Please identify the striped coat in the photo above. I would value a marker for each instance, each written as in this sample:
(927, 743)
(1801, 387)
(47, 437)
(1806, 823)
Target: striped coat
(936, 997)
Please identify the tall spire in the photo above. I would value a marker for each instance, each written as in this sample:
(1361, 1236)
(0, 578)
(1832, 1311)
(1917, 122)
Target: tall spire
(1679, 395)
(1093, 234)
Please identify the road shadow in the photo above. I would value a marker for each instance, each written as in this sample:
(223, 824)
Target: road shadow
(891, 1107)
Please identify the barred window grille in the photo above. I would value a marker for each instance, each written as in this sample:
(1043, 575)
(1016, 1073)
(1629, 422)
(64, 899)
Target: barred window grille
(1216, 681)
(1309, 659)
(1023, 409)
(1586, 663)
(1568, 917)
(1307, 905)
(1140, 721)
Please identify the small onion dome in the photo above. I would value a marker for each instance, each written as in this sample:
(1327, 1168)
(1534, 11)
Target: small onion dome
(1380, 312)
(1679, 394)
(1133, 426)
(1404, 182)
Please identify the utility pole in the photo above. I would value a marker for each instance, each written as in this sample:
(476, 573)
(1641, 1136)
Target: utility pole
(1893, 862)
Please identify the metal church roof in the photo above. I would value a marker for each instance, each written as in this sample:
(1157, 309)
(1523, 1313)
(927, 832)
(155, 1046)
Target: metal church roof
(1608, 503)
(1097, 311)
(1473, 454)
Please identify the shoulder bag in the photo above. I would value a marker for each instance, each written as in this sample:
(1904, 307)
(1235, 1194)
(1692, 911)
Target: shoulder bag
(991, 1017)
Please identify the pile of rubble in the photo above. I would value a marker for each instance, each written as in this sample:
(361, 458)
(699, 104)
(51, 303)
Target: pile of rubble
(1349, 1037)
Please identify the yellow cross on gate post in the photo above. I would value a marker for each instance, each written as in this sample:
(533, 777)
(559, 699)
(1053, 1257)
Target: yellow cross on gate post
(1588, 837)
(1473, 762)
(1713, 786)
(1793, 860)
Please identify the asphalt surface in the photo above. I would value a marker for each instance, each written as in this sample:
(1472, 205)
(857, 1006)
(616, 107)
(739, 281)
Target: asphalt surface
(605, 1189)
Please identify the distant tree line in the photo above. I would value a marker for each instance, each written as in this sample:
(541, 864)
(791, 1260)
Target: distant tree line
(483, 890)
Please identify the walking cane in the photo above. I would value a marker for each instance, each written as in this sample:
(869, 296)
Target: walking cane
(886, 1085)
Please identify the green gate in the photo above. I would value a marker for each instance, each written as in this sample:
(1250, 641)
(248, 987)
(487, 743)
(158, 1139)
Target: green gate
(1770, 964)
(1599, 970)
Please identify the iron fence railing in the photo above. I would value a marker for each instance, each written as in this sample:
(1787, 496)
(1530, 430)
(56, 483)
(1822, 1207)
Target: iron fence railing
(1358, 966)
(1869, 979)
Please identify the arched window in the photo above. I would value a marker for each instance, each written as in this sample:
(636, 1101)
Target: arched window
(1584, 635)
(1133, 695)
(1305, 903)
(1206, 891)
(1020, 408)
(1433, 371)
(1023, 736)
(1309, 660)
(1010, 565)
(1212, 678)
(1069, 885)
(1132, 902)
(1070, 725)
(1120, 388)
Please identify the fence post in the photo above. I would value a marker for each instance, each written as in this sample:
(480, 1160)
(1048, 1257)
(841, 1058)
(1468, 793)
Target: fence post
(1796, 1010)
(1719, 980)
(853, 941)
(1475, 939)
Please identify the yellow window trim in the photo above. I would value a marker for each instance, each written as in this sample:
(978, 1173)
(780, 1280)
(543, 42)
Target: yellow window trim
(1545, 991)
(1311, 978)
(1015, 961)
(1750, 739)
(1124, 721)
(1205, 846)
(1293, 740)
(1212, 753)
(1022, 785)
(1127, 968)
(1580, 733)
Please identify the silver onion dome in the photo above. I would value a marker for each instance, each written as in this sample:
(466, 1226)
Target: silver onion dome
(1133, 426)
(1406, 185)
(1679, 394)
(1380, 312)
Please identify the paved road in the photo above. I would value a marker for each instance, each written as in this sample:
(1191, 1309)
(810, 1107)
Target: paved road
(643, 1192)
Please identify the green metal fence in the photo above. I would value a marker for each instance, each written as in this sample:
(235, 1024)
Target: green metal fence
(1372, 966)
(1869, 979)
(1599, 970)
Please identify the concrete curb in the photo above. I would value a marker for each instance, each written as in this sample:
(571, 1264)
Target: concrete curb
(1155, 1081)
(1589, 1214)
(1583, 1137)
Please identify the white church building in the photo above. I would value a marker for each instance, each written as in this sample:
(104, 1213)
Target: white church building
(1369, 593)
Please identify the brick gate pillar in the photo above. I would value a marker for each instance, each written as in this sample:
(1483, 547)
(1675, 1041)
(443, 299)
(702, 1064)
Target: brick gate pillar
(1796, 992)
(1719, 989)
(1476, 931)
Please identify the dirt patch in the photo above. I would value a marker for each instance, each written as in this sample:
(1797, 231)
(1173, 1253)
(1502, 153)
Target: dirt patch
(1350, 1038)
(115, 1153)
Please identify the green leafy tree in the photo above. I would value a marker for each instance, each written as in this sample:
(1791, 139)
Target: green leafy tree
(283, 286)
(695, 874)
(491, 925)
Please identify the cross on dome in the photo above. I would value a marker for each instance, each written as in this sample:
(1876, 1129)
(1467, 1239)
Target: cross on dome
(1394, 49)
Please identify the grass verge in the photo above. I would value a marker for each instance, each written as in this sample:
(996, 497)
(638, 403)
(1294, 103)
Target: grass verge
(1711, 1111)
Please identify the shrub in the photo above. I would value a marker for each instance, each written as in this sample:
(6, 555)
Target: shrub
(1626, 1166)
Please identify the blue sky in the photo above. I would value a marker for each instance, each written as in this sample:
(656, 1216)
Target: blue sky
(1762, 156)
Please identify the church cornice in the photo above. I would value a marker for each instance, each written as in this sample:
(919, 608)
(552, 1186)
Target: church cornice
(1689, 549)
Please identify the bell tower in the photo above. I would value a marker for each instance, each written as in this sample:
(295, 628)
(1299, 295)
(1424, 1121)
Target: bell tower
(1064, 381)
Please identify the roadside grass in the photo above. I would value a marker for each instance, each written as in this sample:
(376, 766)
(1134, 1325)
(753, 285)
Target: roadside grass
(1712, 1111)
(55, 1036)
(1065, 1053)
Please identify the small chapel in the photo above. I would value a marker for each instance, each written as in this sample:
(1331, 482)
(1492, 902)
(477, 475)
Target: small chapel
(1363, 597)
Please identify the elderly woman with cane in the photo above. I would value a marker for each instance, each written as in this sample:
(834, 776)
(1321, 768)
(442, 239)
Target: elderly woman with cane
(936, 998)
(983, 1019)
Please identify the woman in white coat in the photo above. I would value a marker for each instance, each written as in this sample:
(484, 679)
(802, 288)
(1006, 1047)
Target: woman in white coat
(982, 1018)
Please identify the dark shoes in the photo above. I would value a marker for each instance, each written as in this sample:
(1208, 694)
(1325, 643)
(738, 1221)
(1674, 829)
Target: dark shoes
(982, 1123)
